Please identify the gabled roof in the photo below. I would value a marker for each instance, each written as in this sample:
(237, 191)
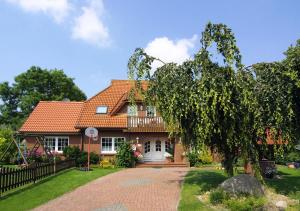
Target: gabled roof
(53, 117)
(70, 117)
(113, 97)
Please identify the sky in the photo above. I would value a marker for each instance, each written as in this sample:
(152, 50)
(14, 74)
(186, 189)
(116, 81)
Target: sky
(92, 40)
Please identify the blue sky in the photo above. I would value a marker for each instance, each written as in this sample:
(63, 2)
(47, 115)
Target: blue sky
(91, 40)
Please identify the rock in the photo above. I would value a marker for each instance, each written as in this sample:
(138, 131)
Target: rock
(243, 184)
(281, 204)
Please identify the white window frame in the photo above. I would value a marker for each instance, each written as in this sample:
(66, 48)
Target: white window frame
(101, 109)
(136, 110)
(113, 151)
(154, 111)
(56, 142)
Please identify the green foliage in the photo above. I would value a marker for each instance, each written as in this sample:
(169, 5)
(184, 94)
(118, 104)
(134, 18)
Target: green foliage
(245, 203)
(218, 196)
(223, 105)
(81, 157)
(293, 156)
(125, 157)
(32, 86)
(6, 135)
(72, 152)
(200, 156)
(205, 156)
(193, 157)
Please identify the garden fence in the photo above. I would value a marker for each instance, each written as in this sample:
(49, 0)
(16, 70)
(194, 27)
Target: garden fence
(11, 178)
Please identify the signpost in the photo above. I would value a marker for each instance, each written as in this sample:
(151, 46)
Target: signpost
(91, 133)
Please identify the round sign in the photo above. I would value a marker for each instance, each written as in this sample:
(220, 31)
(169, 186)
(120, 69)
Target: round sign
(91, 132)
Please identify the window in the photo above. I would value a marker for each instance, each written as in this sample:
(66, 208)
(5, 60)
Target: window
(151, 111)
(132, 110)
(111, 144)
(158, 146)
(147, 147)
(56, 144)
(101, 110)
(50, 143)
(62, 143)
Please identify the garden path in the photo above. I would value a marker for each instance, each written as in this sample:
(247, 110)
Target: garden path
(129, 189)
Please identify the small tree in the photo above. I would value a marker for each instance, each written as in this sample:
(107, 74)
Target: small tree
(125, 156)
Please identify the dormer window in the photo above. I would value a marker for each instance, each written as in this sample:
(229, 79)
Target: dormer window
(101, 110)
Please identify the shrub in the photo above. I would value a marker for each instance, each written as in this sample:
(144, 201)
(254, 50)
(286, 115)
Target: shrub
(35, 157)
(218, 196)
(245, 203)
(5, 140)
(205, 156)
(94, 158)
(125, 156)
(293, 156)
(193, 157)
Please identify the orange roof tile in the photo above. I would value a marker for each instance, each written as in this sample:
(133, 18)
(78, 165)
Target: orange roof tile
(112, 97)
(53, 116)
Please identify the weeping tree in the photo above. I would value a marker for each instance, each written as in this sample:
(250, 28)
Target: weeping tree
(206, 102)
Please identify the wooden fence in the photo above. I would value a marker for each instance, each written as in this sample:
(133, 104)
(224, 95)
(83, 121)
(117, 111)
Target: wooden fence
(11, 178)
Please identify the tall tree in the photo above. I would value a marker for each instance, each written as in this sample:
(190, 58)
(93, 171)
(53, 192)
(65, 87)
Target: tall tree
(32, 86)
(211, 102)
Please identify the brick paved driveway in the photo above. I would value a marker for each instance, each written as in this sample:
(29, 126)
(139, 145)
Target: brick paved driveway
(130, 189)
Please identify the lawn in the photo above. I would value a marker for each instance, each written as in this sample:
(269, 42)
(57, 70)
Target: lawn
(50, 188)
(199, 181)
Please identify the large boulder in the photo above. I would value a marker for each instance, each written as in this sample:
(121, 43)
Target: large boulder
(243, 184)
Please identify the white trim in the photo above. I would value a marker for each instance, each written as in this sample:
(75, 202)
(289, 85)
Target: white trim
(56, 142)
(113, 144)
(154, 111)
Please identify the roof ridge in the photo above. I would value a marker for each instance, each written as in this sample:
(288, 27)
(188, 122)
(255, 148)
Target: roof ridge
(57, 101)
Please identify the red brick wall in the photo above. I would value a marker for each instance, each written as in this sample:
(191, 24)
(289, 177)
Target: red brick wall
(74, 140)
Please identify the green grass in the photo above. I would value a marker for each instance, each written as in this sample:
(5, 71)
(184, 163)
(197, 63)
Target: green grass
(288, 185)
(34, 195)
(198, 181)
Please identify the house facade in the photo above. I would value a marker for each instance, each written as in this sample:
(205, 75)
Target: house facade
(63, 124)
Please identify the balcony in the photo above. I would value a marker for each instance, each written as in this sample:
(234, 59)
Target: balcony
(146, 124)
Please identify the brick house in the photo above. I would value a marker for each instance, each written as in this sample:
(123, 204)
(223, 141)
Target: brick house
(63, 123)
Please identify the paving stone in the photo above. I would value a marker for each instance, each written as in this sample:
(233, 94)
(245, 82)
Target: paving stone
(130, 189)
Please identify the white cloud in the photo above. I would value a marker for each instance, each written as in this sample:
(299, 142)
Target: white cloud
(89, 26)
(58, 9)
(168, 50)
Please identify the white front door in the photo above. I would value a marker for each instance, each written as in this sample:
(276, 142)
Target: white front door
(154, 150)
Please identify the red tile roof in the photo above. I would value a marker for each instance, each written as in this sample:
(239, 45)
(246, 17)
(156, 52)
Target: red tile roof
(53, 116)
(112, 97)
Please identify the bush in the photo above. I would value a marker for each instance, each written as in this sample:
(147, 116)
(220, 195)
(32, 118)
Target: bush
(125, 156)
(245, 203)
(193, 157)
(200, 157)
(35, 157)
(72, 152)
(293, 156)
(5, 140)
(218, 196)
(205, 156)
(94, 158)
(81, 158)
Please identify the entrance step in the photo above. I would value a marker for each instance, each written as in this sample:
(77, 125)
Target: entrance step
(160, 165)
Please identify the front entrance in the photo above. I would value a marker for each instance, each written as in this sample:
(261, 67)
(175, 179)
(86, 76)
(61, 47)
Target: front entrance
(154, 150)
